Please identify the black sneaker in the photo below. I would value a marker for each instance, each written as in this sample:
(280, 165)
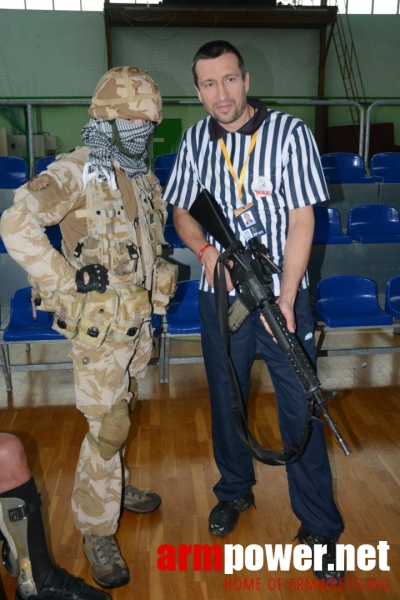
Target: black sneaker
(328, 574)
(225, 516)
(59, 584)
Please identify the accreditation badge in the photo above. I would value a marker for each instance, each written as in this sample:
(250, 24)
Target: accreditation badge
(249, 221)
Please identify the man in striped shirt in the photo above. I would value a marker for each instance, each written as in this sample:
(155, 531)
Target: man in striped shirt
(263, 168)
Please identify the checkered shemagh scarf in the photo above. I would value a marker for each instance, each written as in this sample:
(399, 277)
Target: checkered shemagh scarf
(97, 136)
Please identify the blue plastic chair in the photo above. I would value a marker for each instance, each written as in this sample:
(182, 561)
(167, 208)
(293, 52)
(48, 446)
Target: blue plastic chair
(327, 226)
(392, 297)
(182, 319)
(349, 301)
(13, 172)
(171, 237)
(163, 166)
(183, 311)
(22, 327)
(374, 224)
(345, 167)
(387, 166)
(43, 163)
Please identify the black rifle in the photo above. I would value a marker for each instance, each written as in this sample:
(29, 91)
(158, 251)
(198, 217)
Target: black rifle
(251, 274)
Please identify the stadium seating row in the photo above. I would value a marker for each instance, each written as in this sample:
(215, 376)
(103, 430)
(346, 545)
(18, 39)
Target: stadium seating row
(368, 224)
(346, 167)
(14, 170)
(348, 301)
(341, 301)
(338, 167)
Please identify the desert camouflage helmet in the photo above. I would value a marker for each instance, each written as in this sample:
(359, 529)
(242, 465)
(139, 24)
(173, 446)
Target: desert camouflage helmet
(126, 92)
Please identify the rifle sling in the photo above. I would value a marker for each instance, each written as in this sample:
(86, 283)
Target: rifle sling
(269, 457)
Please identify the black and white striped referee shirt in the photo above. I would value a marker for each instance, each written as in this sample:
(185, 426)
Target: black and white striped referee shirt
(283, 173)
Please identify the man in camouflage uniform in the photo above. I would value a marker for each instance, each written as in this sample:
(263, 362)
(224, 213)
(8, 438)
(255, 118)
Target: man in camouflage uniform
(102, 289)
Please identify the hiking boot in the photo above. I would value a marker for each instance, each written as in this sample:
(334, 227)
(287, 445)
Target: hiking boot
(329, 573)
(59, 584)
(225, 516)
(108, 567)
(140, 501)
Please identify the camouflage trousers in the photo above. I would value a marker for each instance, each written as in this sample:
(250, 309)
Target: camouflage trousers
(101, 377)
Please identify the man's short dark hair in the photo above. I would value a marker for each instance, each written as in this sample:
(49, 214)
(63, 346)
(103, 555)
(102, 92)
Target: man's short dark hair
(214, 50)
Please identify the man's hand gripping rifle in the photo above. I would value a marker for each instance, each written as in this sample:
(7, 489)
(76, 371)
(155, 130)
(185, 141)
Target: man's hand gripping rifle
(251, 274)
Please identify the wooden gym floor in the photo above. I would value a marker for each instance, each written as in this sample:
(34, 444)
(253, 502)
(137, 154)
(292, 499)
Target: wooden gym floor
(169, 450)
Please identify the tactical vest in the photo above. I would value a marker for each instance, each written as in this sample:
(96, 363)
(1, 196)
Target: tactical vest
(127, 248)
(140, 281)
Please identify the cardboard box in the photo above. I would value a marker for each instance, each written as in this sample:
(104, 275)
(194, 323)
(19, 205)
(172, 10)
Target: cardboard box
(50, 145)
(17, 145)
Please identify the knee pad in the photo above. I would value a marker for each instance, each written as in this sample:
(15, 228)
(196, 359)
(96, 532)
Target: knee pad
(114, 430)
(14, 527)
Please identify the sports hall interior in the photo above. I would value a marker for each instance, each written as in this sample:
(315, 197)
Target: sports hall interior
(51, 62)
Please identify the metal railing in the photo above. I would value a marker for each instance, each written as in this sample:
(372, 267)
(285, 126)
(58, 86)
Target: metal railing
(173, 102)
(294, 102)
(368, 125)
(28, 106)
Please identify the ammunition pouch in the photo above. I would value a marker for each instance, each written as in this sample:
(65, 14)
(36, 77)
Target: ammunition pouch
(165, 276)
(89, 252)
(99, 311)
(124, 256)
(134, 307)
(117, 313)
(237, 315)
(122, 259)
(155, 226)
(67, 309)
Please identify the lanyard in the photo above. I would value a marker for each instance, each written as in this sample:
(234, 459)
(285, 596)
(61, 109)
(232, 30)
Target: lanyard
(244, 167)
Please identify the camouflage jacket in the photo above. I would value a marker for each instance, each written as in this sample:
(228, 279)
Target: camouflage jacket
(122, 229)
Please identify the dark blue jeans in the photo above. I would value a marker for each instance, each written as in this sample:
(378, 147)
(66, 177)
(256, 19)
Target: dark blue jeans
(310, 479)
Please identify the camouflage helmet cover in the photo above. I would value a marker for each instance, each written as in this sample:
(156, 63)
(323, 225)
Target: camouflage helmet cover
(126, 92)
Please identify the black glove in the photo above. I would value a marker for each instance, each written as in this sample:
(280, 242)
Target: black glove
(98, 279)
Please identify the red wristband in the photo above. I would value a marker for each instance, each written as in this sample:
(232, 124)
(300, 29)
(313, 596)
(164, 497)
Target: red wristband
(203, 249)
